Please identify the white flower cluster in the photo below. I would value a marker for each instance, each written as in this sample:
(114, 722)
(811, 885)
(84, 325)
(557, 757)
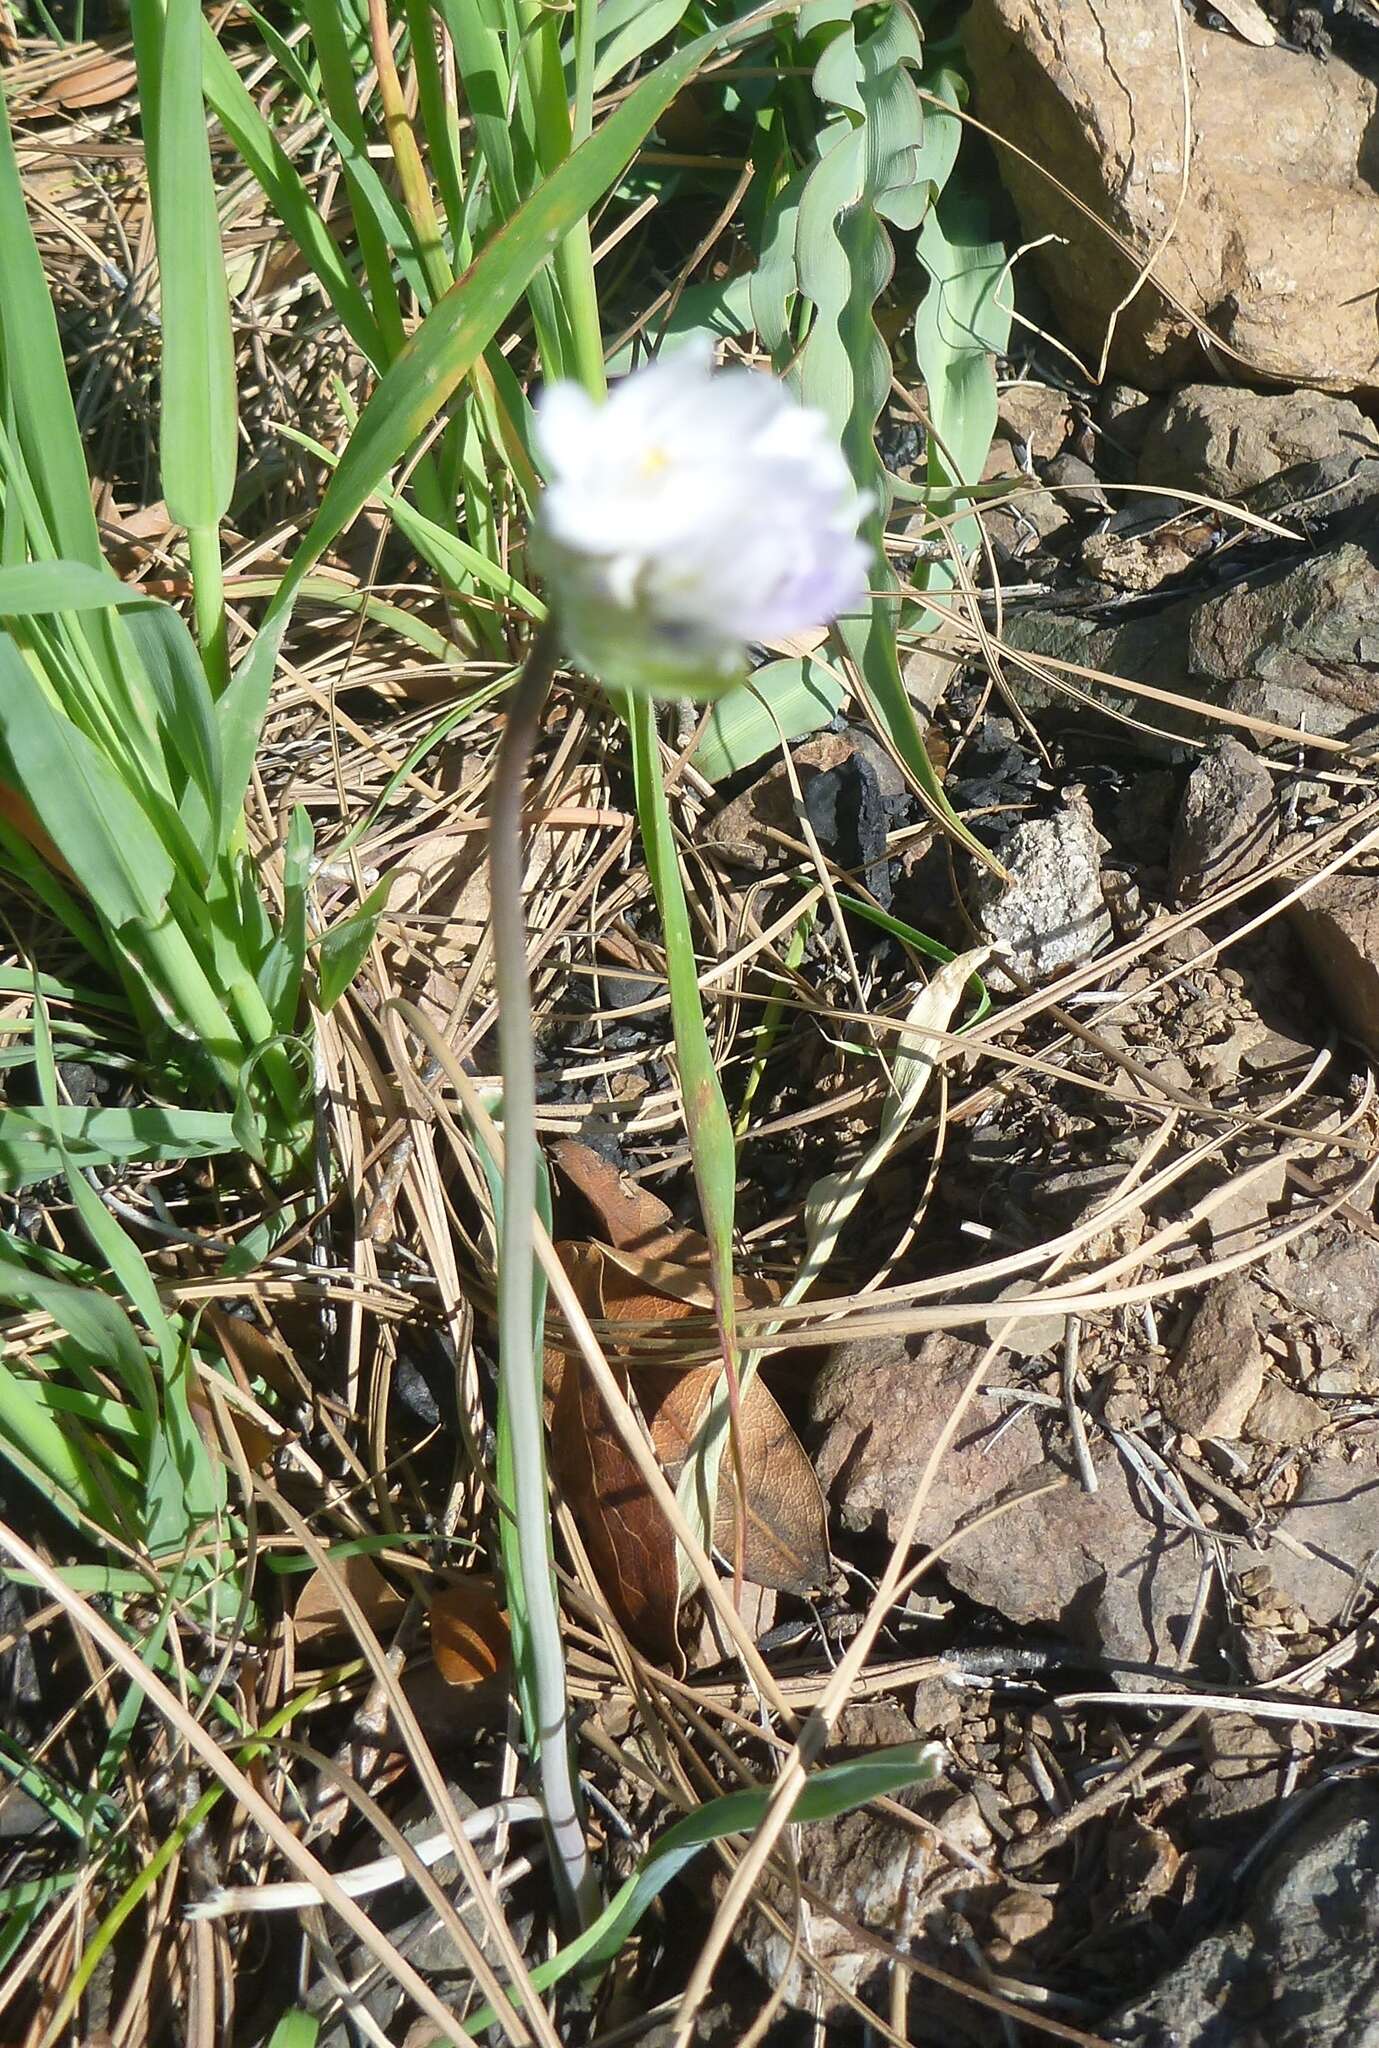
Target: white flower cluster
(688, 516)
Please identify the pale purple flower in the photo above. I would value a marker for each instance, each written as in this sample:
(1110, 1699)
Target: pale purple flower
(690, 515)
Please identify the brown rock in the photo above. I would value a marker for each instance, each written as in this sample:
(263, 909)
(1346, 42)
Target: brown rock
(1227, 822)
(1217, 1374)
(1279, 219)
(1338, 923)
(1223, 440)
(1103, 1566)
(1283, 1417)
(877, 1409)
(1021, 1917)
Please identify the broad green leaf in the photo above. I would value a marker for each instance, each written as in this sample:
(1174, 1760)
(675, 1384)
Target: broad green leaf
(962, 324)
(627, 29)
(33, 589)
(866, 173)
(783, 699)
(83, 805)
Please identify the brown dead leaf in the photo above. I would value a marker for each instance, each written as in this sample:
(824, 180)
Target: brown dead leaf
(628, 1215)
(785, 1542)
(92, 82)
(469, 1631)
(251, 1353)
(320, 1618)
(630, 1544)
(628, 1540)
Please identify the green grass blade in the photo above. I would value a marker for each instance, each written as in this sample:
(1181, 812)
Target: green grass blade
(198, 438)
(88, 812)
(228, 97)
(29, 1151)
(836, 1789)
(34, 382)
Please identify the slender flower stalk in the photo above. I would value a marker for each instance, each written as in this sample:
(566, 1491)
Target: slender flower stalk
(686, 517)
(517, 1359)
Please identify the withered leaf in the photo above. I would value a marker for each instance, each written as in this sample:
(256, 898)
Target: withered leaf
(469, 1631)
(320, 1618)
(628, 1540)
(628, 1215)
(630, 1544)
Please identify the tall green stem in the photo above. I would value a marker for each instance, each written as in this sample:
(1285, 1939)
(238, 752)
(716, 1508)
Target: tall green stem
(517, 1360)
(208, 599)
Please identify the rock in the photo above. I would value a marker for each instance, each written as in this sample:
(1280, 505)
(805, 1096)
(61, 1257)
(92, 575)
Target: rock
(1338, 924)
(873, 1868)
(1300, 643)
(1034, 415)
(1031, 520)
(1103, 1567)
(1217, 1374)
(1222, 440)
(1279, 219)
(1035, 1335)
(1227, 822)
(848, 782)
(1124, 413)
(1283, 1417)
(876, 1410)
(1322, 1548)
(1021, 1917)
(1051, 914)
(1246, 1760)
(1333, 1273)
(1144, 647)
(1300, 1967)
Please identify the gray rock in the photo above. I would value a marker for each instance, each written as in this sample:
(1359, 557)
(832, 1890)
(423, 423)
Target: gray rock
(1223, 440)
(1227, 822)
(1333, 1273)
(1141, 646)
(1338, 923)
(1322, 1550)
(1301, 641)
(1052, 913)
(1217, 1374)
(1300, 1967)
